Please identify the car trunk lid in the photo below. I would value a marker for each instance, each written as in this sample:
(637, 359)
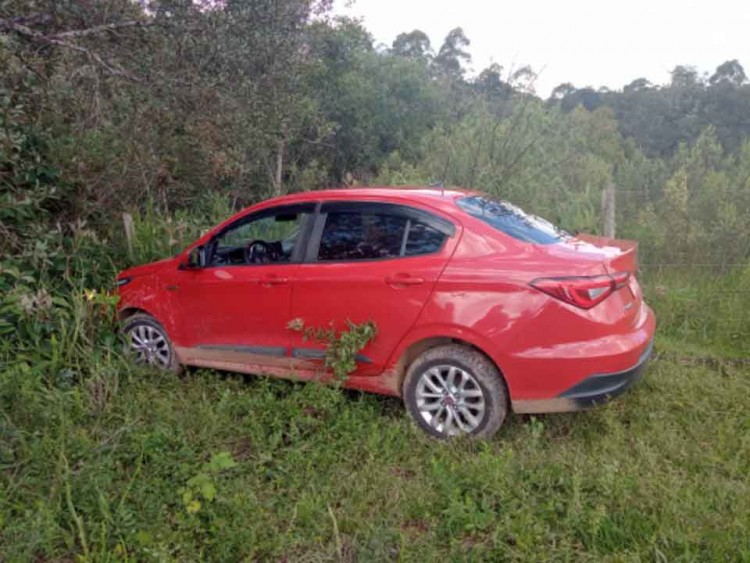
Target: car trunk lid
(613, 257)
(619, 255)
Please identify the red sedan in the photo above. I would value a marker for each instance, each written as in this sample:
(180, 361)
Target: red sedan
(480, 308)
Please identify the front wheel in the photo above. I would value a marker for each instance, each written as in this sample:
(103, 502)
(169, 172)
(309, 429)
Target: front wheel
(148, 343)
(454, 390)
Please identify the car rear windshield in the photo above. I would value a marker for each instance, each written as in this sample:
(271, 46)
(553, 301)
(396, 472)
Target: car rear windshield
(511, 220)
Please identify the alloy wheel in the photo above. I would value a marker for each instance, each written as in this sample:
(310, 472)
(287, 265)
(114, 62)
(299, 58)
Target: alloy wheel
(149, 345)
(450, 400)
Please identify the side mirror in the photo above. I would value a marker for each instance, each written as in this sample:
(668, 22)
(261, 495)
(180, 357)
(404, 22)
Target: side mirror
(196, 258)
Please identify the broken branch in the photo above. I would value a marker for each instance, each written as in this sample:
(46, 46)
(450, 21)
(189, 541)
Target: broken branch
(21, 24)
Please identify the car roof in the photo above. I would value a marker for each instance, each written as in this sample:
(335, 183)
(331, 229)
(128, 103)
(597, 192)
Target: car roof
(434, 197)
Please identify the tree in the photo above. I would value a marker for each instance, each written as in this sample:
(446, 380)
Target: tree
(208, 96)
(589, 98)
(452, 55)
(729, 72)
(562, 91)
(380, 102)
(412, 45)
(637, 85)
(523, 79)
(490, 83)
(684, 77)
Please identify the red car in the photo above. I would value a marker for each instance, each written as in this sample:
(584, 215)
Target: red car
(480, 308)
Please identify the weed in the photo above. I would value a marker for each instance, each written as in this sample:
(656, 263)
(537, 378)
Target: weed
(202, 486)
(342, 347)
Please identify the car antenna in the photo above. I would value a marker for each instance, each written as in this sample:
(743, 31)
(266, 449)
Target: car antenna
(439, 184)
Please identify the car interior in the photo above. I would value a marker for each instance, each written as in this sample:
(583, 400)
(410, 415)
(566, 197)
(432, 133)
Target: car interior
(358, 236)
(269, 240)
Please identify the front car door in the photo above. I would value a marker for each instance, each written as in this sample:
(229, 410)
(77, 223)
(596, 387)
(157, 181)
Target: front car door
(369, 261)
(234, 311)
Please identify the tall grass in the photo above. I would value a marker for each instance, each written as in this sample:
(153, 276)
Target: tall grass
(702, 307)
(158, 235)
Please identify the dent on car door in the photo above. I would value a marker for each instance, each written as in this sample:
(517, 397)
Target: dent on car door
(236, 308)
(369, 262)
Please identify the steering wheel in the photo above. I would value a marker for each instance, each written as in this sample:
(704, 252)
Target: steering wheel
(258, 252)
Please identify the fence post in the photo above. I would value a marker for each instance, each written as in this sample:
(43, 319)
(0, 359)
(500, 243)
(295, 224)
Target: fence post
(127, 220)
(608, 210)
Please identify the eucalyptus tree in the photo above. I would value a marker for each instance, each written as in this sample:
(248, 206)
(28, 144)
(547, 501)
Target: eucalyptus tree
(414, 45)
(452, 57)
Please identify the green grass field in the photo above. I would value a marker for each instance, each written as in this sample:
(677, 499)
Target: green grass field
(119, 467)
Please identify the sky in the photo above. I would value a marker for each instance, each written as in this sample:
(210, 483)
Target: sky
(586, 42)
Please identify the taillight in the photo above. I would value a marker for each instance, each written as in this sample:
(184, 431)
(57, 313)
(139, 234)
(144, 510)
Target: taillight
(584, 291)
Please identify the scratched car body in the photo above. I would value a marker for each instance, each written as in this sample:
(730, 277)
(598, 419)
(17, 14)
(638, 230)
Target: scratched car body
(481, 309)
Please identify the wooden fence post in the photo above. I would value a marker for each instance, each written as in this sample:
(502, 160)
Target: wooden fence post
(608, 210)
(127, 220)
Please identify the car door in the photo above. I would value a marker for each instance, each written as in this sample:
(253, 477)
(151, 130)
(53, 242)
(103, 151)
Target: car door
(236, 308)
(369, 261)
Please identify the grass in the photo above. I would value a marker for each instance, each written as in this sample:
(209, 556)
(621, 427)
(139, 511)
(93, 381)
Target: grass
(708, 309)
(98, 471)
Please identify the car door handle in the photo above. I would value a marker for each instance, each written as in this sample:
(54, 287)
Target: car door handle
(403, 280)
(269, 281)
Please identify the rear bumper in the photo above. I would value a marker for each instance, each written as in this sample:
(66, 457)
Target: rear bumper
(591, 391)
(599, 388)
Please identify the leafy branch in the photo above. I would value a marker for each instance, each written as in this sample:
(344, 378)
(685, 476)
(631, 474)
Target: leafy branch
(342, 347)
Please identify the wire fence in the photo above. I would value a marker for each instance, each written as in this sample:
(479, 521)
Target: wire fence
(697, 278)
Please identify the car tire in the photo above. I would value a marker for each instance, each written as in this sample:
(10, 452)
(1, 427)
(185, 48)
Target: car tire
(146, 339)
(454, 390)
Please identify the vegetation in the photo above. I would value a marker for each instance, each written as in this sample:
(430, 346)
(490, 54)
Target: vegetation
(312, 473)
(179, 112)
(341, 347)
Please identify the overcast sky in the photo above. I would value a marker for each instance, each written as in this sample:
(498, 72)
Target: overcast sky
(586, 42)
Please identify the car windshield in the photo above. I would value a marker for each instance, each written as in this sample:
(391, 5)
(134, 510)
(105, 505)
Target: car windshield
(511, 220)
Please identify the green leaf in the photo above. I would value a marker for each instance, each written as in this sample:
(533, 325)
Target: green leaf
(220, 462)
(208, 490)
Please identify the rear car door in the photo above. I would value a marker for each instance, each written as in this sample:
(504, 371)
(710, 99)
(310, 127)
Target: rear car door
(236, 308)
(369, 261)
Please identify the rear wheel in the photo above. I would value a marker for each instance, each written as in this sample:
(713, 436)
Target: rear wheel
(454, 390)
(148, 343)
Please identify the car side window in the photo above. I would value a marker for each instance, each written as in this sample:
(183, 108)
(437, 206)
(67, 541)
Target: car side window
(363, 235)
(267, 239)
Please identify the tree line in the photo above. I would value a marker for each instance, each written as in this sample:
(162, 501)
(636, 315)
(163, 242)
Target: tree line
(111, 105)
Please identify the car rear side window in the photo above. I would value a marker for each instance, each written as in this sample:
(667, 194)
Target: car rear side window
(511, 220)
(422, 239)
